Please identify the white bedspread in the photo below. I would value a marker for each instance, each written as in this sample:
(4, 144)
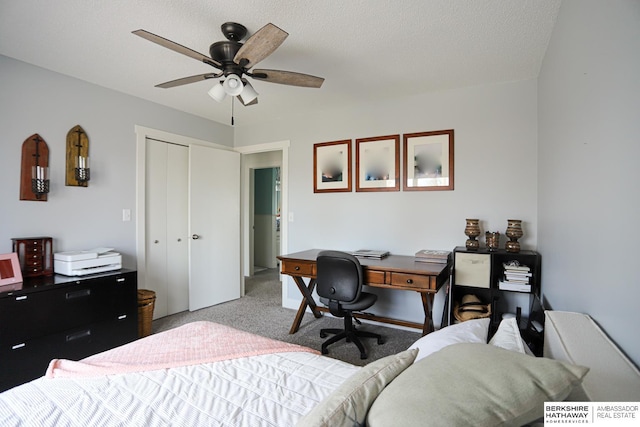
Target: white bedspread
(268, 390)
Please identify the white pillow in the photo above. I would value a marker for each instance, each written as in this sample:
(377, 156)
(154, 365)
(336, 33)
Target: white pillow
(471, 331)
(508, 336)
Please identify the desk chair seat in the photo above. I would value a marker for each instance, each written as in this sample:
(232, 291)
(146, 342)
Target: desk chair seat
(339, 280)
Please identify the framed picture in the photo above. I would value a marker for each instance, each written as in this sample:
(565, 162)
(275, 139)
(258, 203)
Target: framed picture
(428, 161)
(10, 269)
(378, 163)
(332, 167)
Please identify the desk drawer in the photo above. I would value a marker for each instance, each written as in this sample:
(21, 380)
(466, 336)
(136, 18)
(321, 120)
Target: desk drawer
(410, 280)
(374, 277)
(299, 268)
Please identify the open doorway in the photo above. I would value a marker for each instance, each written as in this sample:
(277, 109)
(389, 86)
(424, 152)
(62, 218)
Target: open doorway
(263, 156)
(266, 190)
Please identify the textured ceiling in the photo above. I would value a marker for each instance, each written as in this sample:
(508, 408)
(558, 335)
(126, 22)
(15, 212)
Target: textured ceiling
(365, 49)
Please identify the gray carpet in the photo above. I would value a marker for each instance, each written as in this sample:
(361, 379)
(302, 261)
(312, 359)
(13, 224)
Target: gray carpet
(260, 311)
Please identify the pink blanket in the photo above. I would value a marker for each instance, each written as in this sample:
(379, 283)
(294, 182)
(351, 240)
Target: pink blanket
(191, 344)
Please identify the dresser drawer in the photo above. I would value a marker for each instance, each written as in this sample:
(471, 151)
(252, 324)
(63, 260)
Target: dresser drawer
(299, 268)
(87, 301)
(35, 245)
(33, 262)
(28, 360)
(410, 280)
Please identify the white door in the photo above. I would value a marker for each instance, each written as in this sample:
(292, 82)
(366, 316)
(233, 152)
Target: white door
(214, 226)
(167, 226)
(177, 228)
(156, 224)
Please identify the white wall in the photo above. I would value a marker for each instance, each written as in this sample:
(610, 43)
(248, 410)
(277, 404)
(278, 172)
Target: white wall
(495, 177)
(34, 100)
(589, 201)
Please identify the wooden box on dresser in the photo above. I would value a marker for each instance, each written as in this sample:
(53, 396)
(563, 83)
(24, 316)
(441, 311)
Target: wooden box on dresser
(55, 317)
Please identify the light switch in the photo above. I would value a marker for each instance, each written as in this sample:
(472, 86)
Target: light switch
(126, 215)
(290, 216)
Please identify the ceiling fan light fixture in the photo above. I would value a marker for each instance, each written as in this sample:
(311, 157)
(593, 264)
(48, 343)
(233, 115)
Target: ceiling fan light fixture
(248, 94)
(233, 85)
(218, 92)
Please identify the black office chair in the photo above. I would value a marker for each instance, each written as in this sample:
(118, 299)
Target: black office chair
(339, 280)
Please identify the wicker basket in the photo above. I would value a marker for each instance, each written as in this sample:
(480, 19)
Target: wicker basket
(146, 303)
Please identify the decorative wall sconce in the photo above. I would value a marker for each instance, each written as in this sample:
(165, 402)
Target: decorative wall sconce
(82, 171)
(39, 180)
(34, 170)
(77, 168)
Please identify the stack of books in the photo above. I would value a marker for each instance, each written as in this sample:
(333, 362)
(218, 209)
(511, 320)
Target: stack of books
(430, 255)
(516, 278)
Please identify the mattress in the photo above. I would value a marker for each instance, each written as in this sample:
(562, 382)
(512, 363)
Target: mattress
(268, 390)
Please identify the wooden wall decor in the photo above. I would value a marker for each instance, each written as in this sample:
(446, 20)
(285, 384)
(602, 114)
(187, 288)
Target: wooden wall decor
(77, 145)
(35, 152)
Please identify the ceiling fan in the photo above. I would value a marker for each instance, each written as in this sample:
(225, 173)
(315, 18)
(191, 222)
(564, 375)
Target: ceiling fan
(235, 60)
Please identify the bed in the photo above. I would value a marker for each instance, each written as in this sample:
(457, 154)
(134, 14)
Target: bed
(205, 374)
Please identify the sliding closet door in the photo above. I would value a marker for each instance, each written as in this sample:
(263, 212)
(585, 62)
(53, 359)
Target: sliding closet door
(214, 226)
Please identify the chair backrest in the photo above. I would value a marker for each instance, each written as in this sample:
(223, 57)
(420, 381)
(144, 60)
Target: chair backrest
(339, 276)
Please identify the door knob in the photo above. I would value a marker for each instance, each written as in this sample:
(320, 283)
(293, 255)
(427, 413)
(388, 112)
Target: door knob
(156, 241)
(179, 240)
(195, 237)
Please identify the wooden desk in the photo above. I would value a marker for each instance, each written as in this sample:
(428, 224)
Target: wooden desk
(393, 272)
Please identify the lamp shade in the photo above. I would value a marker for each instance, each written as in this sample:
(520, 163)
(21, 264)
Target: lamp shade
(233, 85)
(217, 92)
(248, 94)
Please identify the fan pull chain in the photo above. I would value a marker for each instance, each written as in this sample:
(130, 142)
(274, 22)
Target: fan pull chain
(233, 98)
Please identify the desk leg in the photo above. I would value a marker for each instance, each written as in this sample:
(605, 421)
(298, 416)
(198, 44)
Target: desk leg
(307, 300)
(427, 304)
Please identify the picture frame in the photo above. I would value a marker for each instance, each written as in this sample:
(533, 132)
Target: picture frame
(10, 273)
(428, 161)
(378, 163)
(332, 167)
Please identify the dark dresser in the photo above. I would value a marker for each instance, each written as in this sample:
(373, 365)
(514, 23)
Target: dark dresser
(60, 317)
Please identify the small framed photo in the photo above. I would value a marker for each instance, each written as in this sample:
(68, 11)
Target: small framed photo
(332, 167)
(10, 273)
(378, 163)
(428, 161)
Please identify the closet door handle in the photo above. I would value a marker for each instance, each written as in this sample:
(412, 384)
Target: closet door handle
(195, 237)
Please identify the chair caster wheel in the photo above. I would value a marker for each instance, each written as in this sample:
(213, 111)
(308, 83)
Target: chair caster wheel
(323, 335)
(380, 341)
(363, 356)
(325, 351)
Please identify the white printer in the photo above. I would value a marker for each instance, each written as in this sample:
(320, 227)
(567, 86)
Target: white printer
(80, 263)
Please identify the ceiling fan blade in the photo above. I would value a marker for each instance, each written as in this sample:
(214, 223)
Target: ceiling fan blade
(187, 80)
(254, 102)
(260, 45)
(177, 47)
(288, 78)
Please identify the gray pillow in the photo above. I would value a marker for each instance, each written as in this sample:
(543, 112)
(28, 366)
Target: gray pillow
(474, 384)
(349, 403)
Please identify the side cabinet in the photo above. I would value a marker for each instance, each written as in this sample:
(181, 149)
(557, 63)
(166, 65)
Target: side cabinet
(480, 272)
(64, 318)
